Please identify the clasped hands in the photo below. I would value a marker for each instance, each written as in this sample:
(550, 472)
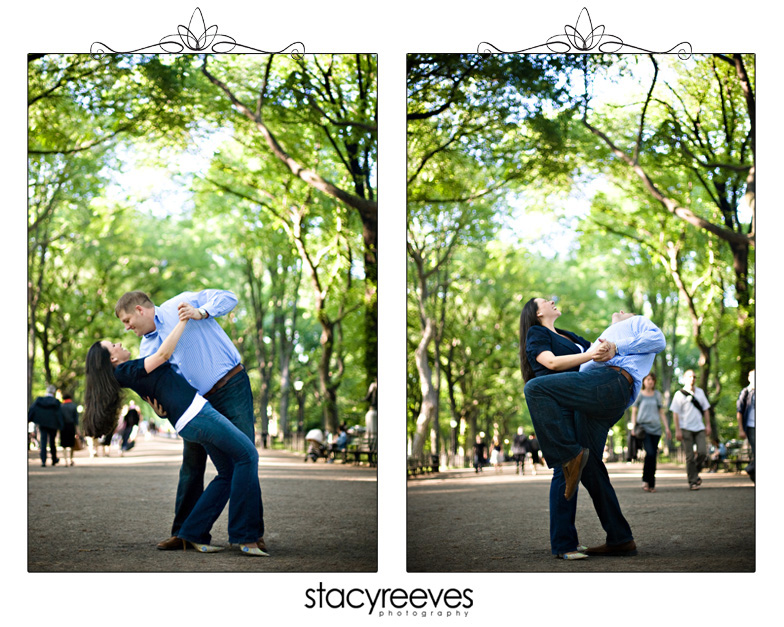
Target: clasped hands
(187, 311)
(604, 351)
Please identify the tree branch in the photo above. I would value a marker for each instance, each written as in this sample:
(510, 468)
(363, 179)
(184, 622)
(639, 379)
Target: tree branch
(308, 176)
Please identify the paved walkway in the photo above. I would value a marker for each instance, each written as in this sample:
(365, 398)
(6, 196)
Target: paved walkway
(106, 514)
(459, 521)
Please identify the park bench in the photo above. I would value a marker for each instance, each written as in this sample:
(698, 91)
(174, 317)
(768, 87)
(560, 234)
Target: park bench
(420, 467)
(739, 461)
(738, 455)
(362, 446)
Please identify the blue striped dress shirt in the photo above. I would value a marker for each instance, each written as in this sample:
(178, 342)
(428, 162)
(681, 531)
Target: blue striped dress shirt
(204, 353)
(637, 341)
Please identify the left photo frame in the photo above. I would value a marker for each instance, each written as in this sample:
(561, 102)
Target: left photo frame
(202, 229)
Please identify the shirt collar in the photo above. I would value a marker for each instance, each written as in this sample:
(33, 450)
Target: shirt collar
(158, 322)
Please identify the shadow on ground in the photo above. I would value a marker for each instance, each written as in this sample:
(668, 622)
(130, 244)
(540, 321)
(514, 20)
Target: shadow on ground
(106, 514)
(463, 522)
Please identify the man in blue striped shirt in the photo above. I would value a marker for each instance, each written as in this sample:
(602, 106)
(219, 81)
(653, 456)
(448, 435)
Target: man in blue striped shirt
(209, 361)
(599, 394)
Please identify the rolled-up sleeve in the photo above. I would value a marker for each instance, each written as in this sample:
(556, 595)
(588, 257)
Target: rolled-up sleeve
(216, 302)
(646, 338)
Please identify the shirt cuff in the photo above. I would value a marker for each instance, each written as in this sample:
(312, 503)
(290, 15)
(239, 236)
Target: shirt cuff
(621, 346)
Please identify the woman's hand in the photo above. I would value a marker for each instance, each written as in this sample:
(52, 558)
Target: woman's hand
(187, 311)
(155, 407)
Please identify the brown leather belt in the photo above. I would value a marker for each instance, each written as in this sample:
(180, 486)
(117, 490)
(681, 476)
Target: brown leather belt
(224, 379)
(627, 376)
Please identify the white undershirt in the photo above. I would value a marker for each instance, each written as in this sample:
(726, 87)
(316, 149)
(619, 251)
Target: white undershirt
(195, 407)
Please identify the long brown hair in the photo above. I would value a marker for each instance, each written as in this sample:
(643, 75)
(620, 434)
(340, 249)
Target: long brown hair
(528, 318)
(102, 394)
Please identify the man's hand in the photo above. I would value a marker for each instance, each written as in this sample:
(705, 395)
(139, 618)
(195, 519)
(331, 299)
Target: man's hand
(187, 311)
(679, 435)
(606, 351)
(155, 407)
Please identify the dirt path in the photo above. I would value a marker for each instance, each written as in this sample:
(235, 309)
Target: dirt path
(463, 522)
(106, 514)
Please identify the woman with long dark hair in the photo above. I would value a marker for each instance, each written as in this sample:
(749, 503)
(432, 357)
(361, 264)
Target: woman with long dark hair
(547, 350)
(109, 369)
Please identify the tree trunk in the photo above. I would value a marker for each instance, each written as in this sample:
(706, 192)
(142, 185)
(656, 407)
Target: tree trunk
(429, 394)
(327, 389)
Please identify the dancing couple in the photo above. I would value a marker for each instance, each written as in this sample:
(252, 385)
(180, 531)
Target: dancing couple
(576, 391)
(190, 373)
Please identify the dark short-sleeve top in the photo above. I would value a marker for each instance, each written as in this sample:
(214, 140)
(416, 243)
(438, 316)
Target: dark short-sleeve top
(541, 339)
(163, 384)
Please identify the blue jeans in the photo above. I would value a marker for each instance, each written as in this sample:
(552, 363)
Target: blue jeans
(235, 401)
(599, 398)
(751, 434)
(237, 461)
(563, 532)
(651, 445)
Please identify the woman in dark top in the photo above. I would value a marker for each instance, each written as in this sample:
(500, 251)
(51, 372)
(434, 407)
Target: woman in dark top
(68, 432)
(109, 369)
(546, 350)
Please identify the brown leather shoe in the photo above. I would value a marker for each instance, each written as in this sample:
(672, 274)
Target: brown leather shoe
(573, 470)
(173, 544)
(614, 550)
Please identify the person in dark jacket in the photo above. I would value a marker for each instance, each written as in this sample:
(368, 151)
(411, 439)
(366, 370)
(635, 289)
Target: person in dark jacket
(45, 412)
(130, 420)
(519, 450)
(68, 432)
(479, 454)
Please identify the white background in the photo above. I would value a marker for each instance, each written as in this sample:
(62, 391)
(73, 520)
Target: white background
(391, 29)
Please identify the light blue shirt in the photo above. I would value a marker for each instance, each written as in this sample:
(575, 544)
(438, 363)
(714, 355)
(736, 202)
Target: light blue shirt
(637, 341)
(204, 353)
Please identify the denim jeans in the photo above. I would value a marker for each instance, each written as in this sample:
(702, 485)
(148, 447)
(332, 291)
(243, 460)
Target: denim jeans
(235, 401)
(598, 398)
(651, 445)
(751, 434)
(563, 532)
(237, 461)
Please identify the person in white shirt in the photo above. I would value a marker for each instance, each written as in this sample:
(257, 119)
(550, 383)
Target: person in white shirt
(691, 418)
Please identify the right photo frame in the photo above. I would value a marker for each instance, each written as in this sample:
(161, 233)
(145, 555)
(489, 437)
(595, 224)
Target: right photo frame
(581, 312)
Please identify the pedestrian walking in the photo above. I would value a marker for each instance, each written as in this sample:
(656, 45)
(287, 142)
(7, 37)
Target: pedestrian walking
(747, 422)
(45, 412)
(648, 419)
(130, 420)
(519, 450)
(68, 434)
(691, 418)
(479, 454)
